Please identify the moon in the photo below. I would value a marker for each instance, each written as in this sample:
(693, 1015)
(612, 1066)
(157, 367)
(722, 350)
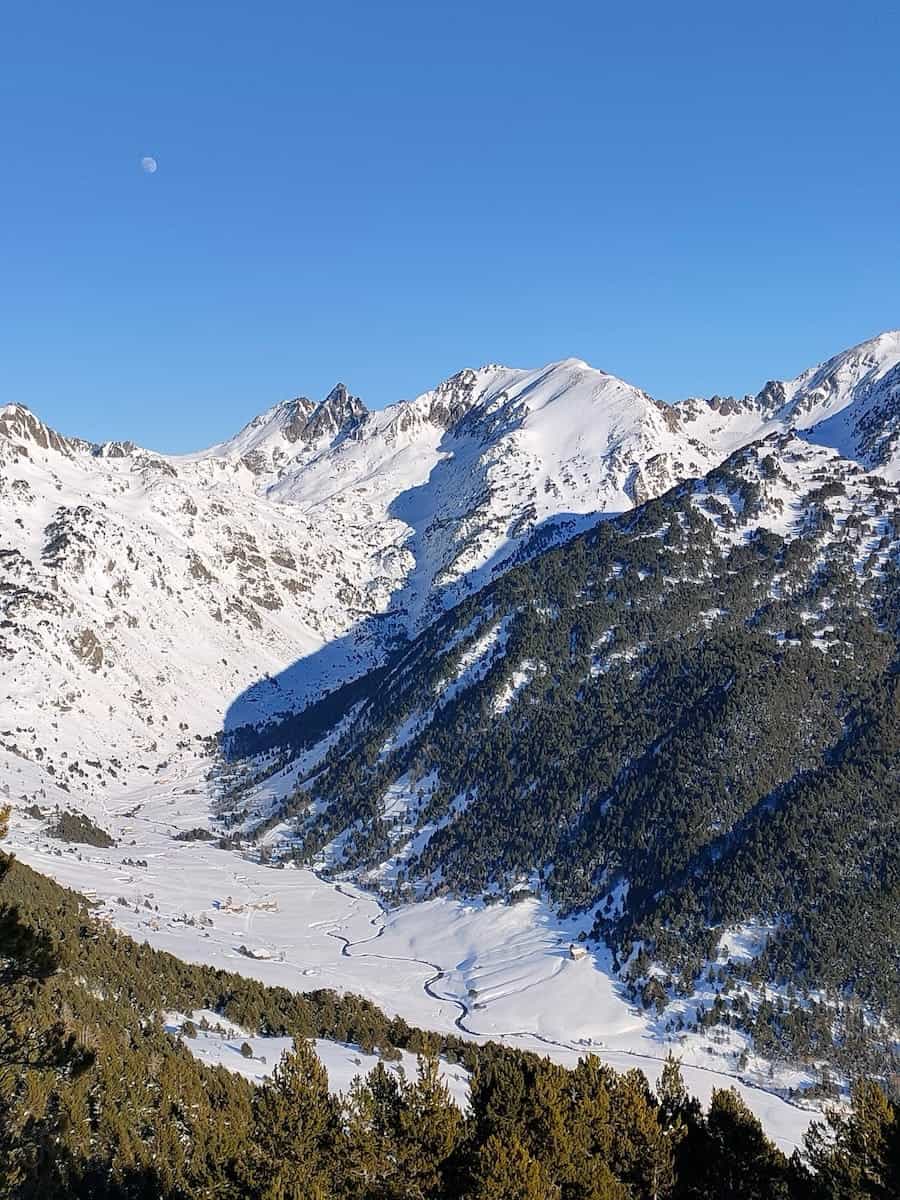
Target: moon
(149, 164)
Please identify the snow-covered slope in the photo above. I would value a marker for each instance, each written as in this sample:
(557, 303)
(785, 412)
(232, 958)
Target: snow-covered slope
(202, 904)
(144, 596)
(459, 479)
(681, 727)
(850, 403)
(146, 599)
(140, 594)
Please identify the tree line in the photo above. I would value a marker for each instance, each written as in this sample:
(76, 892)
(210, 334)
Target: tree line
(98, 1101)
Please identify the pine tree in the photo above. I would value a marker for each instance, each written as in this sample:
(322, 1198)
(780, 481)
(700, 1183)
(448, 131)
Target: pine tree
(401, 1134)
(366, 1164)
(592, 1134)
(642, 1154)
(497, 1092)
(34, 1055)
(296, 1132)
(681, 1116)
(504, 1170)
(857, 1157)
(677, 1108)
(733, 1159)
(429, 1130)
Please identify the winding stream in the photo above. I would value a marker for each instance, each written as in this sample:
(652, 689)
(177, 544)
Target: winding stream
(348, 948)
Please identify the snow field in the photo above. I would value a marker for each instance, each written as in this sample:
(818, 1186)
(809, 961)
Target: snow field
(421, 961)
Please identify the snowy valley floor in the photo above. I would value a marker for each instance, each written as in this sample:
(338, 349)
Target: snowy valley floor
(501, 972)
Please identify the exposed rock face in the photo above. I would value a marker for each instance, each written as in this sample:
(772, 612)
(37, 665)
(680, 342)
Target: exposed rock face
(297, 415)
(20, 429)
(338, 413)
(86, 646)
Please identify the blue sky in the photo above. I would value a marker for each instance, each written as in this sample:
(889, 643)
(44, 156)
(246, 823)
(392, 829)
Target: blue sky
(696, 197)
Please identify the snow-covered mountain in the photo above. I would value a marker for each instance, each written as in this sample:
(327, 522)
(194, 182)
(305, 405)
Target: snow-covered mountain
(143, 593)
(681, 726)
(146, 598)
(850, 403)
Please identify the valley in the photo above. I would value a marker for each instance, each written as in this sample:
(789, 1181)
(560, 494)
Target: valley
(421, 962)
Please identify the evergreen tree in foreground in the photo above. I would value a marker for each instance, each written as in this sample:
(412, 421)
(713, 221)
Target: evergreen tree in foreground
(295, 1146)
(28, 1158)
(148, 1121)
(504, 1170)
(857, 1157)
(401, 1136)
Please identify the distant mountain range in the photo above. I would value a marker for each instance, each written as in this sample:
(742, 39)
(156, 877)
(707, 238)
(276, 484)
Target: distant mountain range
(562, 637)
(326, 535)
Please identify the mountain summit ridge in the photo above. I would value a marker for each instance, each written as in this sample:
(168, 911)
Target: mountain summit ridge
(323, 533)
(819, 391)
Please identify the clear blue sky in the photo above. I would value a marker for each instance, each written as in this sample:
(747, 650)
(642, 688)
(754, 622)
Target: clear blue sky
(694, 196)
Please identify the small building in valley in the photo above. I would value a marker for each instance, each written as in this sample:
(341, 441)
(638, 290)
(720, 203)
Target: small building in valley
(254, 951)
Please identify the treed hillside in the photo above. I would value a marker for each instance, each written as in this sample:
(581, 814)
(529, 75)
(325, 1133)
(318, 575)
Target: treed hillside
(683, 720)
(97, 1101)
(244, 581)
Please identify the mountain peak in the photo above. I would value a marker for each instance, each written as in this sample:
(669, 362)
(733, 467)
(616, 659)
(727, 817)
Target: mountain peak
(337, 413)
(578, 364)
(875, 355)
(851, 402)
(339, 394)
(20, 426)
(274, 437)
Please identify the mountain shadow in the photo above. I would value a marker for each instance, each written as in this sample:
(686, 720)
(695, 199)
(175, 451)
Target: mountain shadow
(294, 708)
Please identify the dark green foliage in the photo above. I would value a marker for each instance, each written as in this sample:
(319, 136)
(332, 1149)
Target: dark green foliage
(713, 722)
(112, 1108)
(76, 827)
(858, 1157)
(732, 1157)
(402, 1136)
(194, 835)
(154, 981)
(296, 1144)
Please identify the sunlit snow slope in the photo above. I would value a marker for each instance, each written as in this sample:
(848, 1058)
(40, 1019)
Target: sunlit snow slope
(146, 599)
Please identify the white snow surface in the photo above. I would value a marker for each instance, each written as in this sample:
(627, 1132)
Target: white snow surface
(147, 600)
(220, 1046)
(498, 971)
